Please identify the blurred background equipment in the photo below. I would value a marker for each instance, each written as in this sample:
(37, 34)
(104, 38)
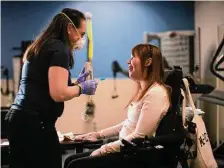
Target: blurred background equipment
(116, 68)
(18, 63)
(5, 74)
(17, 68)
(177, 47)
(217, 96)
(90, 106)
(88, 114)
(10, 93)
(217, 64)
(217, 68)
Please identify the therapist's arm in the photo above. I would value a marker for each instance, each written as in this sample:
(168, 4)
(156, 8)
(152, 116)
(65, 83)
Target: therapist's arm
(58, 85)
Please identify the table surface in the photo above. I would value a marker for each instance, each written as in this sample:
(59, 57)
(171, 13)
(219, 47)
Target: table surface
(4, 142)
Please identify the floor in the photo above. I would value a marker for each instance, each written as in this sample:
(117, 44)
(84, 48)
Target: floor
(64, 156)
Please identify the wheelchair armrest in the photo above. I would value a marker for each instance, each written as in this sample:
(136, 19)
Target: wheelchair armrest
(130, 149)
(112, 139)
(91, 144)
(175, 138)
(172, 139)
(128, 144)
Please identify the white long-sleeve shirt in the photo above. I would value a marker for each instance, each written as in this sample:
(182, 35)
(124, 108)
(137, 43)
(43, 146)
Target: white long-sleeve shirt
(143, 118)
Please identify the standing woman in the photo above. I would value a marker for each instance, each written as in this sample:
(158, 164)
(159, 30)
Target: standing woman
(44, 86)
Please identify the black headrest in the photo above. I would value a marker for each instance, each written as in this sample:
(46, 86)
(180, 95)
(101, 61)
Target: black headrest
(173, 78)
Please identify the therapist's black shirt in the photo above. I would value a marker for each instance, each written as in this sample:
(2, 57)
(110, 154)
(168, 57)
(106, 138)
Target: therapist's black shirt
(33, 94)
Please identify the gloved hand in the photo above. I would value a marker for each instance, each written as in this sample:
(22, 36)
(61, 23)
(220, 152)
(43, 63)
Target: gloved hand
(88, 87)
(82, 76)
(92, 136)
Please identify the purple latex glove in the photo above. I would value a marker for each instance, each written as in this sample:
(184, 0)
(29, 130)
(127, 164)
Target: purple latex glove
(88, 87)
(82, 76)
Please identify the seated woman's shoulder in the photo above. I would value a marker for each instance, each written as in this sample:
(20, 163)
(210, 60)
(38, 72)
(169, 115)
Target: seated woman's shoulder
(158, 92)
(157, 88)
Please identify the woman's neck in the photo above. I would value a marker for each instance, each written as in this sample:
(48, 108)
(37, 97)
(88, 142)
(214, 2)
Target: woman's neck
(144, 84)
(145, 81)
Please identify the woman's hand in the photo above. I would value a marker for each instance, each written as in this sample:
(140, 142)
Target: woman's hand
(82, 76)
(88, 87)
(101, 151)
(92, 136)
(96, 152)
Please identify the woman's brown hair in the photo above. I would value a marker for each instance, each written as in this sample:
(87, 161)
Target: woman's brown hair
(155, 72)
(57, 29)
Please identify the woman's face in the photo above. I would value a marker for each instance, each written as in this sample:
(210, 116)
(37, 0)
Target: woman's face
(76, 33)
(135, 68)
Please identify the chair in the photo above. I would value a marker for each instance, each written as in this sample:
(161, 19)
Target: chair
(169, 134)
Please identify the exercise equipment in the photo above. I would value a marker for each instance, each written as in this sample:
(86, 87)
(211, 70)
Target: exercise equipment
(176, 46)
(116, 68)
(5, 73)
(18, 63)
(17, 67)
(199, 88)
(90, 105)
(6, 91)
(217, 64)
(217, 96)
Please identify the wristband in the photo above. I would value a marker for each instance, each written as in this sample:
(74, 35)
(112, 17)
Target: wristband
(80, 90)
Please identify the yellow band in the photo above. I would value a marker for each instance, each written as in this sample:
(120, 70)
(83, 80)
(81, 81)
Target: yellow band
(90, 40)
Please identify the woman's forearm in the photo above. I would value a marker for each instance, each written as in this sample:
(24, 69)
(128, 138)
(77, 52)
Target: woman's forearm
(69, 93)
(111, 131)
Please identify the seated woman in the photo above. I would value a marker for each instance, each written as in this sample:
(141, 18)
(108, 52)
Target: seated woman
(144, 111)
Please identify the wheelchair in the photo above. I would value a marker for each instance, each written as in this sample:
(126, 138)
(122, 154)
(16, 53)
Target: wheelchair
(164, 149)
(170, 133)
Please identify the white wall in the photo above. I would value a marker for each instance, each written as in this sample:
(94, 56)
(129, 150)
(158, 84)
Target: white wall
(208, 16)
(108, 111)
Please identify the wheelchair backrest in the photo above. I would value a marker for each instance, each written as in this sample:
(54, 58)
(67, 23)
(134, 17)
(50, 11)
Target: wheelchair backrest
(172, 120)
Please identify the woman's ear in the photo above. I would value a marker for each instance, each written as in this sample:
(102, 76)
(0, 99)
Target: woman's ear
(148, 62)
(69, 28)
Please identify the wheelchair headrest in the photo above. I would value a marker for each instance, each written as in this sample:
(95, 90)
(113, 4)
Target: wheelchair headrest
(173, 77)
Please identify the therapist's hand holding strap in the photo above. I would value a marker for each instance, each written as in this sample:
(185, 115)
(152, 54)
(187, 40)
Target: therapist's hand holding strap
(82, 76)
(88, 87)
